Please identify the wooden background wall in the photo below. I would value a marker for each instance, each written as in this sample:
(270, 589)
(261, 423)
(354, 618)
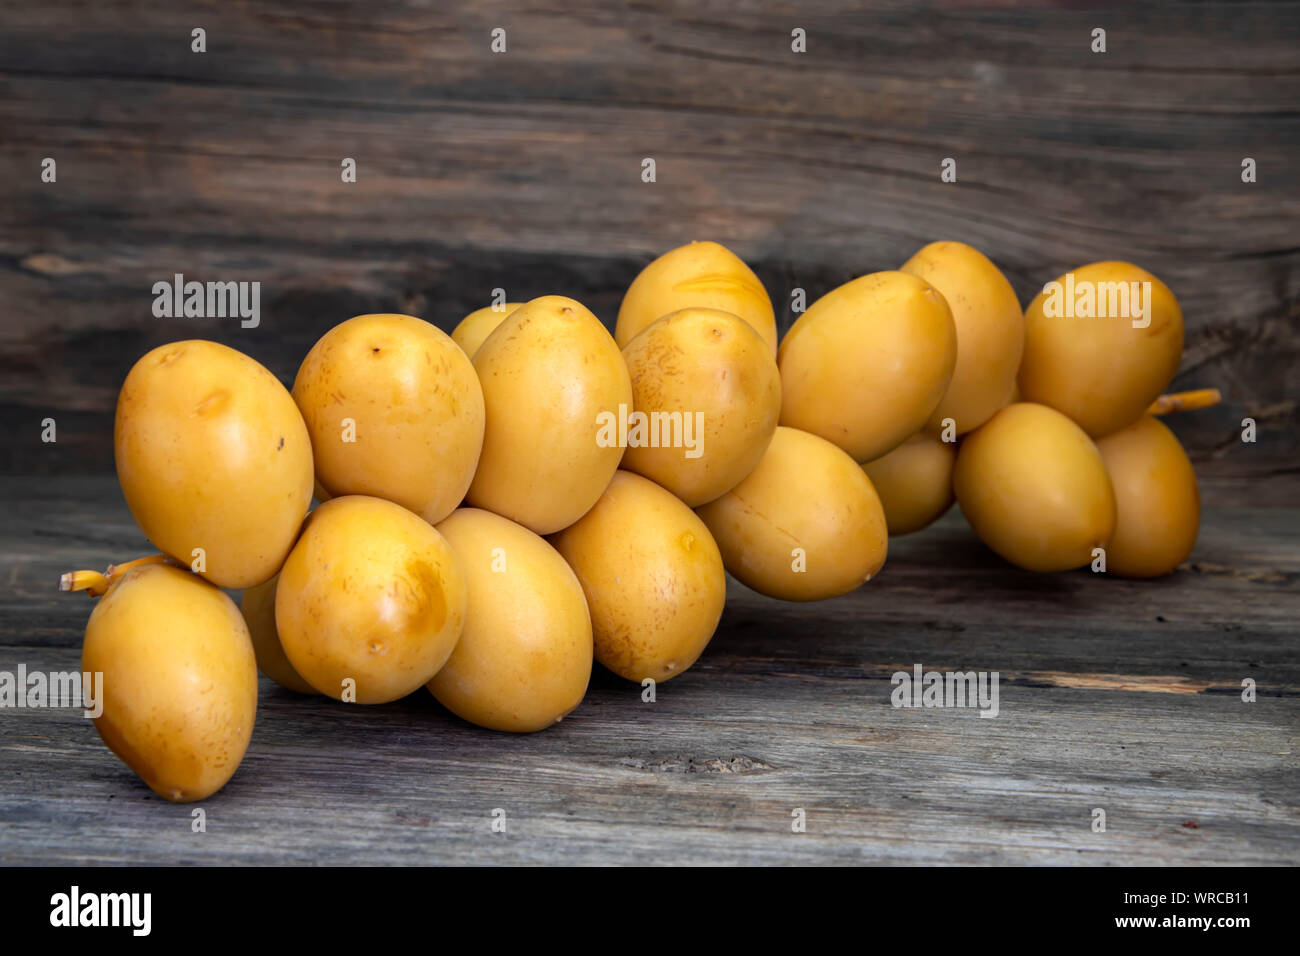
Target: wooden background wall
(522, 170)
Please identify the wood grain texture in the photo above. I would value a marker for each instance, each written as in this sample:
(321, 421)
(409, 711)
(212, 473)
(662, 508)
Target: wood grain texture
(1115, 694)
(522, 171)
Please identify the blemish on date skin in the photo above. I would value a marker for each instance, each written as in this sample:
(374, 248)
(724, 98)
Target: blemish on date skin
(425, 604)
(211, 404)
(281, 445)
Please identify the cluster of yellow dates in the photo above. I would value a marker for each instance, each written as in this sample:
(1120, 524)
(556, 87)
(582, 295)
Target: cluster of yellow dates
(501, 505)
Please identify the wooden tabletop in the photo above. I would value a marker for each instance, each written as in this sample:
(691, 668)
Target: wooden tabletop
(1119, 695)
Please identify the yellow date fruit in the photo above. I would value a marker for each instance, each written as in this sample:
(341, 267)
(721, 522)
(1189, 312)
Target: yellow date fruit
(1034, 487)
(1158, 501)
(524, 660)
(806, 524)
(394, 410)
(214, 460)
(867, 364)
(706, 378)
(551, 376)
(257, 604)
(914, 482)
(990, 332)
(1101, 344)
(179, 680)
(370, 602)
(702, 274)
(652, 575)
(474, 329)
